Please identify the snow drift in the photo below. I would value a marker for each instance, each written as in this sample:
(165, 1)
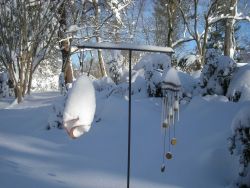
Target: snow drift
(239, 88)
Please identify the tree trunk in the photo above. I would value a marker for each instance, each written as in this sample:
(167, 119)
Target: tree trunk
(204, 45)
(30, 78)
(18, 93)
(17, 88)
(97, 32)
(229, 41)
(170, 12)
(101, 62)
(65, 46)
(68, 73)
(26, 78)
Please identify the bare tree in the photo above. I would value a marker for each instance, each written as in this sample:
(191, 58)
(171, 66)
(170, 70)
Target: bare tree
(27, 29)
(211, 17)
(229, 41)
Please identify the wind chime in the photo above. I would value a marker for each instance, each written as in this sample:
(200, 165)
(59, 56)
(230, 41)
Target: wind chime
(170, 112)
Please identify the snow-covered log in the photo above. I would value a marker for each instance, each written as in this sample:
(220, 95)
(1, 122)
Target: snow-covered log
(80, 107)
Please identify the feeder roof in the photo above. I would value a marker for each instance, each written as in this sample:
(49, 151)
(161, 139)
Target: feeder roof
(126, 46)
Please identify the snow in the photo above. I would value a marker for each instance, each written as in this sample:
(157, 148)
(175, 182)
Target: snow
(80, 107)
(171, 76)
(149, 73)
(32, 156)
(216, 74)
(153, 62)
(242, 119)
(126, 46)
(240, 84)
(72, 28)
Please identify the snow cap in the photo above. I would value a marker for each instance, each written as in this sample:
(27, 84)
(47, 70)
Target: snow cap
(171, 80)
(241, 119)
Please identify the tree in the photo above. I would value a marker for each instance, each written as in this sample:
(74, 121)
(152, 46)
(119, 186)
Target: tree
(27, 29)
(165, 14)
(96, 21)
(229, 42)
(65, 46)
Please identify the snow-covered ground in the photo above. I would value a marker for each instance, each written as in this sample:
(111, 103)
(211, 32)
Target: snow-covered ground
(31, 156)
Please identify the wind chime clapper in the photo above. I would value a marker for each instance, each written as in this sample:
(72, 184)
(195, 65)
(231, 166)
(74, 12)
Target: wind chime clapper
(170, 113)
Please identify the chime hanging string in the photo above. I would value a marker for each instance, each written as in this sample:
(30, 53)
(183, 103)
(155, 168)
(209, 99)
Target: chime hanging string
(164, 146)
(178, 106)
(170, 113)
(164, 113)
(173, 100)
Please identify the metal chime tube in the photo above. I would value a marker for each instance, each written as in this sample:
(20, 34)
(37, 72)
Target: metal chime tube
(170, 114)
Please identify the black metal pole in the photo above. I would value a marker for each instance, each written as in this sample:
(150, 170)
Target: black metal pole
(129, 119)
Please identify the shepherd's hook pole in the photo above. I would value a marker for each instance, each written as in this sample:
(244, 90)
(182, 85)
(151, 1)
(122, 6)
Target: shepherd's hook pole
(129, 119)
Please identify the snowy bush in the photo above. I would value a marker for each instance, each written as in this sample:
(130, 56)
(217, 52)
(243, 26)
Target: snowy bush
(188, 85)
(105, 85)
(61, 84)
(216, 74)
(6, 86)
(189, 63)
(240, 145)
(116, 67)
(239, 87)
(153, 66)
(45, 77)
(56, 116)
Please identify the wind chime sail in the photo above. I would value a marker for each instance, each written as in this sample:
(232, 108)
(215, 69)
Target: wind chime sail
(171, 87)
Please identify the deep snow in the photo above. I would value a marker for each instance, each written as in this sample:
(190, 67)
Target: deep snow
(31, 156)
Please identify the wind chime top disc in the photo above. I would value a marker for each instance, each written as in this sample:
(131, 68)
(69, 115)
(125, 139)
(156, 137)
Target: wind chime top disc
(171, 81)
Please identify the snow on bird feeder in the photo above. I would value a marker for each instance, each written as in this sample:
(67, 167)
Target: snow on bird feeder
(171, 87)
(80, 107)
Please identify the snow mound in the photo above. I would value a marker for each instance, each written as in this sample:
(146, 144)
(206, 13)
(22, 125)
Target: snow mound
(240, 144)
(6, 86)
(216, 75)
(242, 119)
(80, 107)
(154, 61)
(105, 83)
(152, 67)
(239, 87)
(189, 63)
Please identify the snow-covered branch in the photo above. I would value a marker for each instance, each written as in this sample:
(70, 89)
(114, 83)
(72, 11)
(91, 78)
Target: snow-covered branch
(213, 20)
(181, 41)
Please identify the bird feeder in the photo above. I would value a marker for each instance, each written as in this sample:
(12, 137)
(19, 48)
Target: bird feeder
(130, 48)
